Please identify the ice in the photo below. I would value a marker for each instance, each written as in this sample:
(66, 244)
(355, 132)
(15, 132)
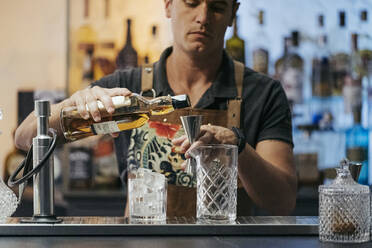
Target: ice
(147, 194)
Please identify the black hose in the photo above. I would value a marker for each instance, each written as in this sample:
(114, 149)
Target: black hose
(27, 163)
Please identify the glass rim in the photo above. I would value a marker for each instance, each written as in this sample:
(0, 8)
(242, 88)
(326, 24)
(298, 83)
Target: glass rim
(217, 146)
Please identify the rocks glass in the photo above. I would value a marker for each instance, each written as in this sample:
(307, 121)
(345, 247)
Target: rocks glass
(147, 196)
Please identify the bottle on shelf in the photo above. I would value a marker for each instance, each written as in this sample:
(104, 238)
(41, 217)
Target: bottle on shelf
(80, 173)
(105, 169)
(307, 154)
(84, 38)
(130, 112)
(357, 146)
(154, 48)
(88, 67)
(352, 88)
(235, 46)
(321, 69)
(260, 54)
(279, 63)
(340, 58)
(292, 77)
(127, 57)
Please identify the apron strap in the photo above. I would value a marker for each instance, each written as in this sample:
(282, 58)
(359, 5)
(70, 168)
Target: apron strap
(234, 105)
(147, 76)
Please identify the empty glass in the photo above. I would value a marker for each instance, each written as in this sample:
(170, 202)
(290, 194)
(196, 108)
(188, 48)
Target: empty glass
(344, 209)
(147, 196)
(216, 173)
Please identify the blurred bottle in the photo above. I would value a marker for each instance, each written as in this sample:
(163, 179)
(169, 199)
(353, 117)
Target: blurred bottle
(352, 89)
(82, 39)
(321, 69)
(293, 71)
(88, 67)
(357, 146)
(280, 62)
(259, 46)
(80, 166)
(235, 46)
(127, 57)
(106, 171)
(340, 59)
(307, 156)
(154, 47)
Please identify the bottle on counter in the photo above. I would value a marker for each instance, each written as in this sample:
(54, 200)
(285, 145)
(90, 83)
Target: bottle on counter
(130, 112)
(235, 46)
(280, 62)
(260, 49)
(127, 57)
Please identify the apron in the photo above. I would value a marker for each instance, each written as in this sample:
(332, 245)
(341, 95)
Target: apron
(151, 147)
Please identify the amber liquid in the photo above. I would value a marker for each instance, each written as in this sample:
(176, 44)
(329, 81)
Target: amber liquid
(75, 127)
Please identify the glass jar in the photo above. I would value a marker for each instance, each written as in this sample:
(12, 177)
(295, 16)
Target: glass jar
(344, 209)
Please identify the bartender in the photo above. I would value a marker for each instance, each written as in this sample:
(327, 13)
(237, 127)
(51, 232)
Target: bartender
(252, 110)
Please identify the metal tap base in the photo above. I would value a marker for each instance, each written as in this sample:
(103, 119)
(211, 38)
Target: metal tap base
(42, 220)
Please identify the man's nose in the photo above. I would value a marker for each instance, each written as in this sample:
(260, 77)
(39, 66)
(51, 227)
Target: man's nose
(203, 14)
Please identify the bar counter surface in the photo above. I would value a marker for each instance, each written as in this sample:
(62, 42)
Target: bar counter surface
(181, 232)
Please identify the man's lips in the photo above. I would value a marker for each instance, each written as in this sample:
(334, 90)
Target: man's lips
(201, 33)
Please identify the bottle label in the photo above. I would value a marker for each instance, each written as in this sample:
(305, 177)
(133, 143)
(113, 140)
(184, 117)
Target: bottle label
(105, 127)
(260, 60)
(352, 92)
(292, 84)
(357, 154)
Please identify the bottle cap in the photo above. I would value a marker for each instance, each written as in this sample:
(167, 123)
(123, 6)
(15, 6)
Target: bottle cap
(180, 101)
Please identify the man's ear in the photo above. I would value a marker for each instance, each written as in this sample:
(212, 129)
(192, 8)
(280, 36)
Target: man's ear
(168, 5)
(234, 10)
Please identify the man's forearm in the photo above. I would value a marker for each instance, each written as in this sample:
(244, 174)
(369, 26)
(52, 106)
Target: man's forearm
(269, 186)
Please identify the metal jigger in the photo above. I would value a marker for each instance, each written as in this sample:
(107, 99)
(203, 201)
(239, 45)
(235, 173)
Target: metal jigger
(191, 124)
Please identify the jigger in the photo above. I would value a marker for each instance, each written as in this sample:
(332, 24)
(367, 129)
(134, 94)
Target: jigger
(191, 124)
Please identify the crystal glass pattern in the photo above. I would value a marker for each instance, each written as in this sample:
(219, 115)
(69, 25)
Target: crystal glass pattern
(147, 196)
(8, 200)
(216, 183)
(344, 209)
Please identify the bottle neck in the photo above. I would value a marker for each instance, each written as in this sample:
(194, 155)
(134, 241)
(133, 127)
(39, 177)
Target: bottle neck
(129, 36)
(236, 27)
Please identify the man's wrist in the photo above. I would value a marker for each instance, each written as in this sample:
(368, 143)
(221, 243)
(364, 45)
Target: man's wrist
(240, 138)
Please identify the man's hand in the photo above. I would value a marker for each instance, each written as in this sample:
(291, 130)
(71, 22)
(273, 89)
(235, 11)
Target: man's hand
(209, 134)
(88, 97)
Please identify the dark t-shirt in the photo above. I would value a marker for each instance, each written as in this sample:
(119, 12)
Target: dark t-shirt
(265, 112)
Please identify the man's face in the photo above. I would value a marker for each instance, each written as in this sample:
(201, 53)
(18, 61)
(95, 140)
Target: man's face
(200, 25)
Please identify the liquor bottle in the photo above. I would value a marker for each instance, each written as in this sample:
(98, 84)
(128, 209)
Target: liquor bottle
(365, 41)
(235, 46)
(154, 48)
(307, 154)
(80, 173)
(279, 63)
(82, 39)
(357, 146)
(321, 69)
(105, 172)
(340, 58)
(293, 71)
(352, 88)
(130, 112)
(259, 46)
(88, 67)
(127, 57)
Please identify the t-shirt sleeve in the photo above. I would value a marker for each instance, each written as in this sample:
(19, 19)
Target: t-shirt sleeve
(276, 121)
